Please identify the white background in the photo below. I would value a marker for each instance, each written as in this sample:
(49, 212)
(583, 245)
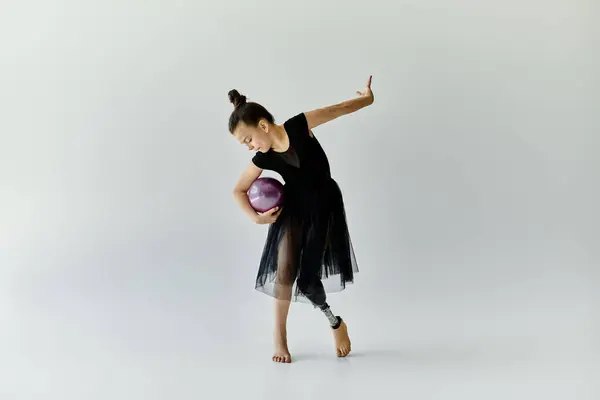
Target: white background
(471, 186)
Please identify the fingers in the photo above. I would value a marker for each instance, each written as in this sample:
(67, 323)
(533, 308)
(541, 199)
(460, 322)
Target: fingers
(269, 212)
(275, 215)
(368, 89)
(270, 216)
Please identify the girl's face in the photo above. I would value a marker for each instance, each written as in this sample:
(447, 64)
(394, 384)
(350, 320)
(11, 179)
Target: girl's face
(255, 138)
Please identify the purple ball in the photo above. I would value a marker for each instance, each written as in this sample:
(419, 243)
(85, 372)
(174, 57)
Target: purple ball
(265, 193)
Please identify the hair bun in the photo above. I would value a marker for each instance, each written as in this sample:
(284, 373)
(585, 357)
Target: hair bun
(236, 98)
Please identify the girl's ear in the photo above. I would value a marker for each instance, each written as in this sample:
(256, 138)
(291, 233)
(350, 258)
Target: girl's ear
(264, 125)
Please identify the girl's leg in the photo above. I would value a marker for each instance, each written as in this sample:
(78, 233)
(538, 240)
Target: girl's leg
(313, 289)
(282, 307)
(286, 274)
(309, 283)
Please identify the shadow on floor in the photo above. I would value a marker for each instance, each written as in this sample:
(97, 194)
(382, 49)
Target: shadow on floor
(493, 353)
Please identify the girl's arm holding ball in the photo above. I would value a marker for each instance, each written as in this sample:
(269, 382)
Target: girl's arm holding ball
(240, 194)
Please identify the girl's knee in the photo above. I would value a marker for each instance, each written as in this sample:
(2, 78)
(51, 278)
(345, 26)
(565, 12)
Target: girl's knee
(313, 290)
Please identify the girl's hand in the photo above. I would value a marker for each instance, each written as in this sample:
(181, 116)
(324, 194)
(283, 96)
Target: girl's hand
(367, 94)
(268, 217)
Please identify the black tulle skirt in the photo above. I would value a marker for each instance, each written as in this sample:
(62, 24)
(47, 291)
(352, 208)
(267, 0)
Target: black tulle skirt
(308, 252)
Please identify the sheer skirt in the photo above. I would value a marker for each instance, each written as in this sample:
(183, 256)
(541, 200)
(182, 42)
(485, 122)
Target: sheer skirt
(308, 251)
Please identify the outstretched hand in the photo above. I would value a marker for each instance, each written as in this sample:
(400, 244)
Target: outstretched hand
(367, 93)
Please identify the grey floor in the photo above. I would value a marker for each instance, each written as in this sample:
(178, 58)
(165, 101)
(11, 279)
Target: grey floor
(161, 339)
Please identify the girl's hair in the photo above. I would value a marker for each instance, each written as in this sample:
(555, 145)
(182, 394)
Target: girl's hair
(248, 113)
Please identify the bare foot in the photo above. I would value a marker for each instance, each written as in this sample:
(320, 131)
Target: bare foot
(342, 340)
(281, 353)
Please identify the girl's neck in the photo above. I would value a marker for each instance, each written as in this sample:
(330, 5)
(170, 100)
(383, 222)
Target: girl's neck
(280, 140)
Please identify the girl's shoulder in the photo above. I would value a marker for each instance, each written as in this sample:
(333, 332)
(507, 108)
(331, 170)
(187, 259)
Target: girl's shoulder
(297, 125)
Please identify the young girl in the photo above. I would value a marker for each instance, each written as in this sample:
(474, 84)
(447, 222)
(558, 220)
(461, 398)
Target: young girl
(308, 241)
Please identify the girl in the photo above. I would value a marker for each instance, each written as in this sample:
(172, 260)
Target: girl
(308, 241)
